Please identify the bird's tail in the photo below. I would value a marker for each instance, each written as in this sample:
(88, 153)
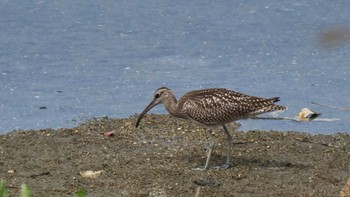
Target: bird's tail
(274, 107)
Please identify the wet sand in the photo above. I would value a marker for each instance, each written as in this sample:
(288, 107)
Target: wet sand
(157, 159)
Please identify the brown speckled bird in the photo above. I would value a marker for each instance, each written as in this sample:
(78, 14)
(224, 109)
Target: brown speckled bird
(210, 108)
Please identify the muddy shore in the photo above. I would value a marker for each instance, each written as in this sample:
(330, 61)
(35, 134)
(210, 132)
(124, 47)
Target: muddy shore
(157, 159)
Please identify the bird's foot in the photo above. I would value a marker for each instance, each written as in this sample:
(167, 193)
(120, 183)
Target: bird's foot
(219, 167)
(223, 166)
(206, 167)
(200, 169)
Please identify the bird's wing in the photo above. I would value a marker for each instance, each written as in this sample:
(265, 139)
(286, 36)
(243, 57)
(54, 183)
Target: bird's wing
(220, 106)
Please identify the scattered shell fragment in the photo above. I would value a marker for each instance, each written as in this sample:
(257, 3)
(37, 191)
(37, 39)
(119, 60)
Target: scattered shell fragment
(108, 134)
(2, 150)
(90, 174)
(345, 192)
(307, 115)
(11, 171)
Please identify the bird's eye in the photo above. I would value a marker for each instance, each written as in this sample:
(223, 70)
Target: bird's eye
(157, 95)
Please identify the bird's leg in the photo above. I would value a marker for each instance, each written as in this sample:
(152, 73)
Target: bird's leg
(209, 149)
(228, 156)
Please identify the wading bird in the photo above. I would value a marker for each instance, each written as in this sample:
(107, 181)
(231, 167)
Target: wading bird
(211, 108)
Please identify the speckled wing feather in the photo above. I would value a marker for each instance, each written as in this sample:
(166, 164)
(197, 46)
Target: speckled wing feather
(219, 106)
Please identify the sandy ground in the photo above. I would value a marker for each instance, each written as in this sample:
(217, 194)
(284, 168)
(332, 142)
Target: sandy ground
(157, 159)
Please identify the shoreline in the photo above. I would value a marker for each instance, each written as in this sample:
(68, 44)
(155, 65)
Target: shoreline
(157, 160)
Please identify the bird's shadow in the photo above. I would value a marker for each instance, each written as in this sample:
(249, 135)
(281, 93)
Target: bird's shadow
(248, 161)
(265, 163)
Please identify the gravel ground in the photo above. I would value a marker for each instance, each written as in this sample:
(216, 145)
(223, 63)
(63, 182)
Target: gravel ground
(157, 159)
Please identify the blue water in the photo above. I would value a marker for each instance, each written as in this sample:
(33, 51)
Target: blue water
(62, 62)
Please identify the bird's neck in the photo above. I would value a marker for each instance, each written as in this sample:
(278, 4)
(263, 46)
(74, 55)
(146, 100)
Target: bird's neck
(171, 106)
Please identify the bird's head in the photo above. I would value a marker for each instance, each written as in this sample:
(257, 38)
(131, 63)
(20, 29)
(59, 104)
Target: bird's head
(158, 97)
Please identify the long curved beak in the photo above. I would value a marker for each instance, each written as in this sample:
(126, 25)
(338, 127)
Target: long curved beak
(149, 107)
